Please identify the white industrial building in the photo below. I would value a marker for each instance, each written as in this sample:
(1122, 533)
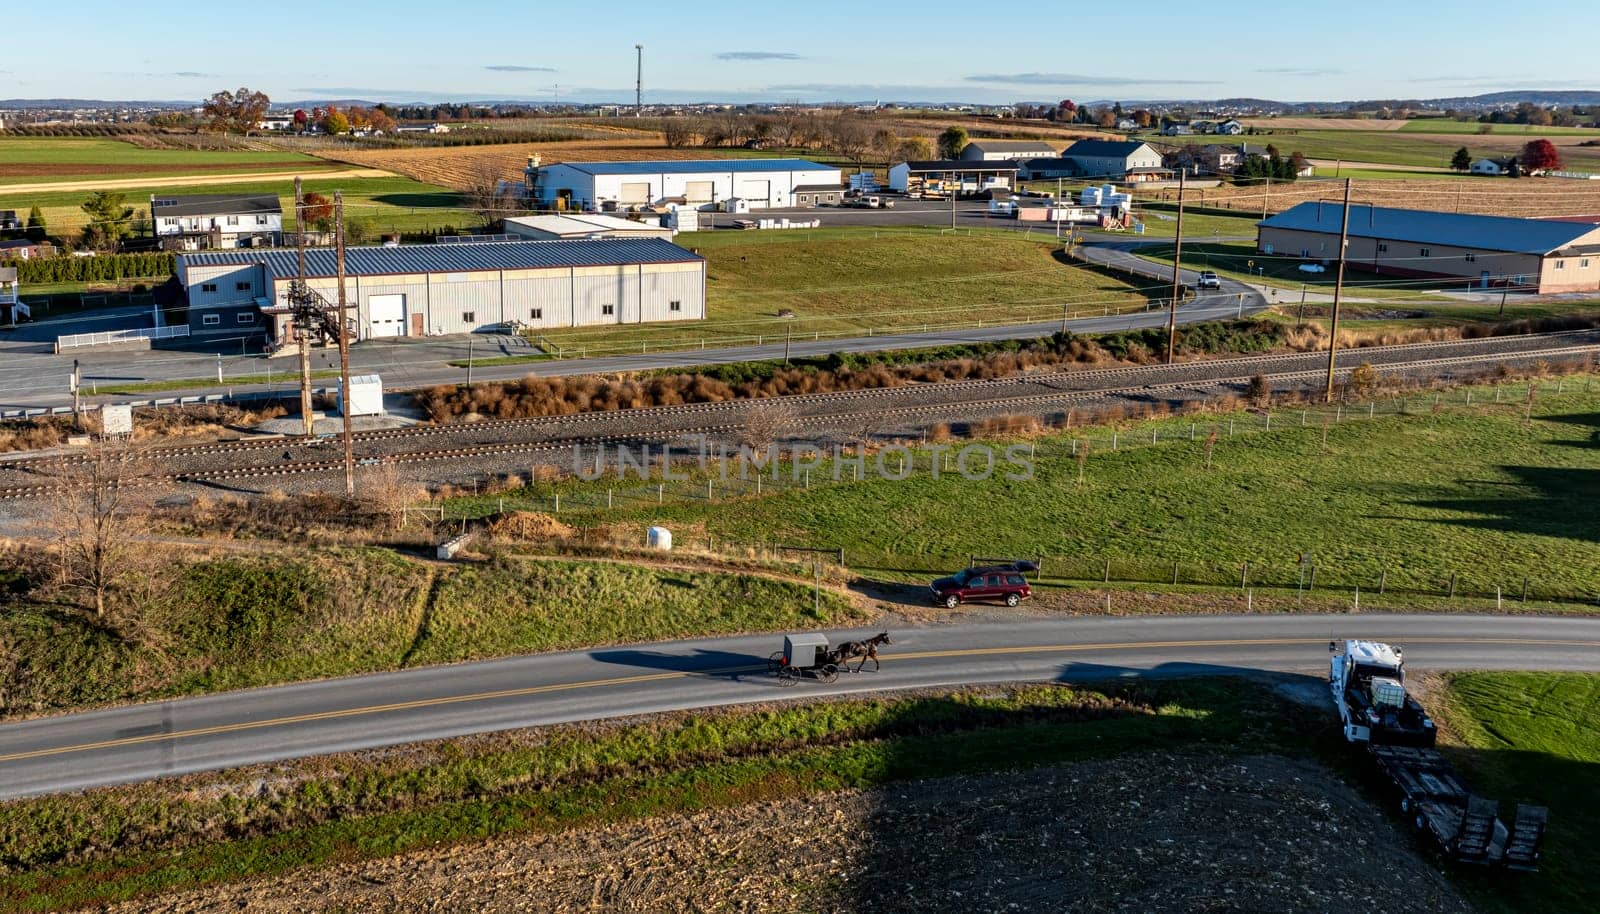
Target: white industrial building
(427, 289)
(704, 184)
(578, 226)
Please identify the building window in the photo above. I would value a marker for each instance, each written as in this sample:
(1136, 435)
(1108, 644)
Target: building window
(1583, 264)
(1383, 247)
(675, 306)
(469, 317)
(1472, 258)
(261, 220)
(208, 287)
(210, 320)
(536, 314)
(245, 318)
(233, 220)
(1424, 252)
(1561, 264)
(241, 287)
(608, 309)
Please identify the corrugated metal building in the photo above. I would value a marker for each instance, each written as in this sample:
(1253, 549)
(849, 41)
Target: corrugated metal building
(703, 184)
(573, 226)
(425, 290)
(1487, 251)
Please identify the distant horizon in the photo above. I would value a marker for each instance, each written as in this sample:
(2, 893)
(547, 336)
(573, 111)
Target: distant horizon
(829, 51)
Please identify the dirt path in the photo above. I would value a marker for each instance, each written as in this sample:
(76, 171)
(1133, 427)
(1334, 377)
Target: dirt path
(1148, 834)
(193, 180)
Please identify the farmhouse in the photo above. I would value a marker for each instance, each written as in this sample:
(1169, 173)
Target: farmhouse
(1493, 167)
(217, 221)
(577, 226)
(1006, 150)
(706, 184)
(1115, 159)
(9, 221)
(425, 289)
(944, 176)
(1488, 251)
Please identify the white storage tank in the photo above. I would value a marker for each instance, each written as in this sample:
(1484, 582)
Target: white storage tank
(659, 538)
(366, 396)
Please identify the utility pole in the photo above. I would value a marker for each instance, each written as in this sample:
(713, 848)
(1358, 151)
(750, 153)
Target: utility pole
(1057, 208)
(638, 85)
(954, 190)
(1177, 261)
(302, 327)
(344, 347)
(1338, 292)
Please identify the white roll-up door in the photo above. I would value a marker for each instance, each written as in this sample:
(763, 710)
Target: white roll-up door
(636, 192)
(386, 316)
(699, 191)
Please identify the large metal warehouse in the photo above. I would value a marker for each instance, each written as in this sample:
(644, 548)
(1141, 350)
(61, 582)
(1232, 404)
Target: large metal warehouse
(432, 289)
(1486, 251)
(704, 184)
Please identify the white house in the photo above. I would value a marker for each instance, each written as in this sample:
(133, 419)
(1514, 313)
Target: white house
(1230, 128)
(1491, 167)
(209, 221)
(1006, 151)
(703, 184)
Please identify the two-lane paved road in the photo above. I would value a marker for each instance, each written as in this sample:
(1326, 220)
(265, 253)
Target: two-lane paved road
(153, 740)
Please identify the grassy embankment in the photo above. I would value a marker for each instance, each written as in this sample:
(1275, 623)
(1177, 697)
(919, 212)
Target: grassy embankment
(853, 281)
(1402, 502)
(118, 843)
(188, 627)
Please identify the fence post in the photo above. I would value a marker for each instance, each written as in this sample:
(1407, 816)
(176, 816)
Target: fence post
(1191, 431)
(1174, 574)
(1452, 585)
(558, 502)
(1357, 606)
(1244, 576)
(1108, 571)
(708, 490)
(1312, 583)
(661, 492)
(841, 555)
(1269, 420)
(1524, 590)
(608, 499)
(1383, 579)
(1497, 602)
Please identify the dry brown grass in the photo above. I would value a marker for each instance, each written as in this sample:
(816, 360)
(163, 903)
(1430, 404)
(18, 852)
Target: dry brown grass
(1010, 426)
(1321, 123)
(530, 526)
(457, 166)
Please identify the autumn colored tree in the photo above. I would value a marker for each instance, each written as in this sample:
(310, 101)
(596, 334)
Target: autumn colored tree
(317, 211)
(1540, 155)
(301, 120)
(380, 121)
(334, 122)
(1106, 118)
(235, 112)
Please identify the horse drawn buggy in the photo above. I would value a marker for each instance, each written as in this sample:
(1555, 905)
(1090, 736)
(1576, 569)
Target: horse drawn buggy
(811, 655)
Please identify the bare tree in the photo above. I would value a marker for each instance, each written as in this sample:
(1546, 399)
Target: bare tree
(487, 195)
(851, 138)
(387, 491)
(678, 131)
(97, 512)
(767, 422)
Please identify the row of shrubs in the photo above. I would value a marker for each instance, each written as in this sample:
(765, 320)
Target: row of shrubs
(67, 268)
(540, 396)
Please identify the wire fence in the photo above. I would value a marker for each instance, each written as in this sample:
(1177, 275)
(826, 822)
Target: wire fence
(661, 478)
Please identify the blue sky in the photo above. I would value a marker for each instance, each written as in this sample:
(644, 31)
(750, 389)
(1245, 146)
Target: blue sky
(818, 50)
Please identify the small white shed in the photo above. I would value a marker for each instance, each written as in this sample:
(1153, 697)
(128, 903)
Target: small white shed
(365, 397)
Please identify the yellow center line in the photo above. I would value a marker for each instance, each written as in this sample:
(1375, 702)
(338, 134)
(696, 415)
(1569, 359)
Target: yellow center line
(658, 677)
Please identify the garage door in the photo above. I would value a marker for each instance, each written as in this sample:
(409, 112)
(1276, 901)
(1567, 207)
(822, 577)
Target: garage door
(386, 316)
(636, 193)
(699, 191)
(755, 192)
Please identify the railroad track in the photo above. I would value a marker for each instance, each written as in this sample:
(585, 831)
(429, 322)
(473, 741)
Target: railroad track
(1204, 368)
(1046, 398)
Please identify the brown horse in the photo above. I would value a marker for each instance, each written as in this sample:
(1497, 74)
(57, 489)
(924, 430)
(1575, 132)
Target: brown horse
(866, 650)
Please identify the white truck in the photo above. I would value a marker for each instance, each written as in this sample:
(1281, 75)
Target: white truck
(1368, 683)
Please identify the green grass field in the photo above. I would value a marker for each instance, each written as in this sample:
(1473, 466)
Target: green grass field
(1535, 738)
(1477, 491)
(1383, 147)
(848, 281)
(1240, 260)
(1442, 125)
(381, 204)
(241, 622)
(36, 160)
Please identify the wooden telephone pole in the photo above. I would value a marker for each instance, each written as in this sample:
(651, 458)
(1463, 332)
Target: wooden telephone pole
(1177, 268)
(1338, 292)
(344, 347)
(302, 327)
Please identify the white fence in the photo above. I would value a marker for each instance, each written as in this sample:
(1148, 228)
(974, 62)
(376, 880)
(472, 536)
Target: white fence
(108, 337)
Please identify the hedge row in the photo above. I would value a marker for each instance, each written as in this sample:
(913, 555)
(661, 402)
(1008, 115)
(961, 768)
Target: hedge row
(91, 269)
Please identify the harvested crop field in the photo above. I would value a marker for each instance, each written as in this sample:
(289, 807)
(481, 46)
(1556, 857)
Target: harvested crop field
(1321, 123)
(458, 166)
(1490, 196)
(1151, 833)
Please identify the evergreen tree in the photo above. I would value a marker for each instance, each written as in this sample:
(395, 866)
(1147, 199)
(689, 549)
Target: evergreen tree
(1462, 160)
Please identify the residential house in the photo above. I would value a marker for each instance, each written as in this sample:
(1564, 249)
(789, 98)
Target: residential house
(1176, 129)
(1212, 158)
(1230, 128)
(1116, 160)
(217, 221)
(1127, 123)
(23, 249)
(9, 221)
(1493, 167)
(1006, 150)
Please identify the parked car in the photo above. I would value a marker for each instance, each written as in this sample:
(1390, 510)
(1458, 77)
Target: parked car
(990, 582)
(1209, 280)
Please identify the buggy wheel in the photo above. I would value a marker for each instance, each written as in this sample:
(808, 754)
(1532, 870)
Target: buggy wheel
(775, 663)
(829, 673)
(1012, 599)
(952, 601)
(788, 676)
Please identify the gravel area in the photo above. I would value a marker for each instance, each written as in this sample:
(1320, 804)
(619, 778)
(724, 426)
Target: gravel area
(1139, 834)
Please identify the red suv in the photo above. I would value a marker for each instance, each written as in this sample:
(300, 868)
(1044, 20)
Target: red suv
(987, 583)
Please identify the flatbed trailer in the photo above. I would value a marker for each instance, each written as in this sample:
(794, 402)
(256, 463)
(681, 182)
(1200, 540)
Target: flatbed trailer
(1465, 826)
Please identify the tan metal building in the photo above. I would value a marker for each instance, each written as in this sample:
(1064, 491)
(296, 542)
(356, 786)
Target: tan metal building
(1541, 255)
